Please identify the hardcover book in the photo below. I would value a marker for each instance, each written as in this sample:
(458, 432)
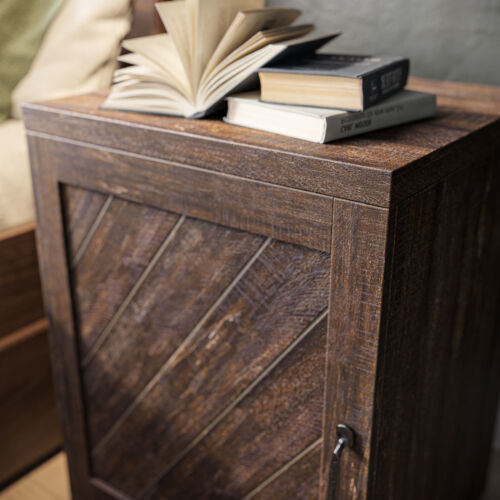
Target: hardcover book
(350, 82)
(325, 125)
(212, 48)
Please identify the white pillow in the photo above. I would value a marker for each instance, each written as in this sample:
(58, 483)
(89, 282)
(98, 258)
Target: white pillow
(16, 198)
(78, 53)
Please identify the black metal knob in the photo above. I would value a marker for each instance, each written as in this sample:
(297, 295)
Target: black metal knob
(345, 438)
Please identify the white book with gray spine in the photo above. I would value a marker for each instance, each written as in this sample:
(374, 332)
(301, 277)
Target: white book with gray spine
(326, 124)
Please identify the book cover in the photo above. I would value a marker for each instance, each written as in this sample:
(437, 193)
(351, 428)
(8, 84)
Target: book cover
(381, 76)
(323, 124)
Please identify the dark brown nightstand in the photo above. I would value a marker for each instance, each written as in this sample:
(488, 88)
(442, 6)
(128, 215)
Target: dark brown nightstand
(221, 299)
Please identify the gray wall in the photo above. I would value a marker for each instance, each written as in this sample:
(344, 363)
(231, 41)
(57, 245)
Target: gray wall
(445, 39)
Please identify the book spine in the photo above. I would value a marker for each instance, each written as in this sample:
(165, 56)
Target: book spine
(384, 82)
(350, 124)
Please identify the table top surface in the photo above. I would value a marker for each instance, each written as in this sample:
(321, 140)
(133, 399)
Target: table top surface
(379, 157)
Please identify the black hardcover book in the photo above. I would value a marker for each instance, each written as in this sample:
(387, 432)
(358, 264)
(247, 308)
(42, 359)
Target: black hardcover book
(352, 82)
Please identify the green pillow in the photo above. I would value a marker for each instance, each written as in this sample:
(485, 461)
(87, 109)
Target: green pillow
(22, 26)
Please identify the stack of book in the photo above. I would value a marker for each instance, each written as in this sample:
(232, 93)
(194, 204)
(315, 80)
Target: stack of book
(324, 97)
(215, 48)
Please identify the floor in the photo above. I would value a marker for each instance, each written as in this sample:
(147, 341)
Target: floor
(49, 481)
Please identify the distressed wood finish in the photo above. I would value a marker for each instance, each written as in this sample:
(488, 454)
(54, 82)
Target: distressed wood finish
(297, 479)
(173, 298)
(291, 215)
(444, 296)
(357, 169)
(238, 294)
(118, 254)
(357, 275)
(82, 210)
(64, 348)
(267, 429)
(282, 291)
(473, 98)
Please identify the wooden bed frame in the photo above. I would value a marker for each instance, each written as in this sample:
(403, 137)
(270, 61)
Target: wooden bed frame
(29, 425)
(29, 429)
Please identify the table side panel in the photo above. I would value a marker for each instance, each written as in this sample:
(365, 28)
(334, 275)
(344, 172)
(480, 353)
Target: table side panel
(439, 365)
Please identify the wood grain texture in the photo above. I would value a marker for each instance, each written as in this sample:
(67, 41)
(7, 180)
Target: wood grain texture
(439, 368)
(357, 276)
(285, 214)
(444, 162)
(121, 249)
(474, 98)
(274, 423)
(81, 208)
(275, 299)
(358, 169)
(58, 304)
(29, 425)
(23, 334)
(411, 330)
(20, 290)
(299, 479)
(196, 267)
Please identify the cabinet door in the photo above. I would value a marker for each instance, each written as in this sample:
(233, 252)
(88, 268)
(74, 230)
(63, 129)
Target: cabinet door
(189, 328)
(202, 352)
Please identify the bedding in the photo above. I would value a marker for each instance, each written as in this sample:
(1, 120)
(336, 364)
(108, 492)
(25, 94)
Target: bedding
(77, 55)
(22, 26)
(16, 199)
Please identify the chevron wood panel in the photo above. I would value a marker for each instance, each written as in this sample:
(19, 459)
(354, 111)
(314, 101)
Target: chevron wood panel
(297, 479)
(120, 250)
(81, 208)
(216, 310)
(197, 265)
(267, 429)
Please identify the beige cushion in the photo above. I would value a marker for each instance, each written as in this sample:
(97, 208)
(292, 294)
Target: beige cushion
(78, 53)
(16, 199)
(22, 26)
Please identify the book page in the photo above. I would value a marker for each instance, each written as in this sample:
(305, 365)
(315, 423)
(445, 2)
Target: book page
(174, 16)
(160, 50)
(135, 95)
(244, 26)
(258, 41)
(209, 20)
(139, 61)
(237, 73)
(142, 73)
(246, 68)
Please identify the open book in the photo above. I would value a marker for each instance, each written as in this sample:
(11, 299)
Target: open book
(212, 48)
